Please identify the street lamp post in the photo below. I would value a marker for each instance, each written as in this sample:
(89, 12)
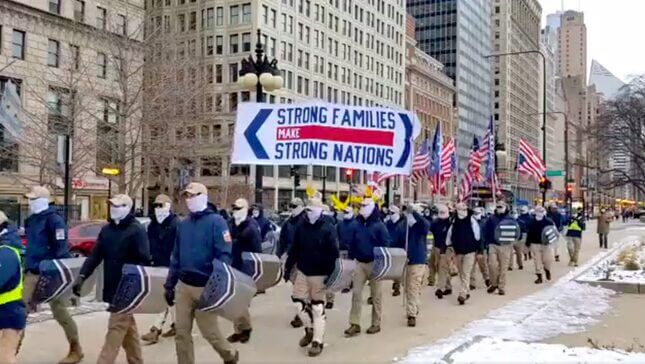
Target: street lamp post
(261, 74)
(110, 172)
(543, 98)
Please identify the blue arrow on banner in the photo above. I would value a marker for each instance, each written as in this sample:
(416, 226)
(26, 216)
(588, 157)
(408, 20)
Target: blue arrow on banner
(407, 124)
(251, 133)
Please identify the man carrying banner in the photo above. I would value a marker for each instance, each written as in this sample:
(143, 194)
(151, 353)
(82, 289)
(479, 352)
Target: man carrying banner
(201, 238)
(122, 241)
(370, 233)
(47, 240)
(313, 254)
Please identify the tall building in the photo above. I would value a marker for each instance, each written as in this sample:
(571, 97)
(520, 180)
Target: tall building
(341, 51)
(458, 34)
(430, 94)
(605, 81)
(572, 45)
(517, 84)
(69, 61)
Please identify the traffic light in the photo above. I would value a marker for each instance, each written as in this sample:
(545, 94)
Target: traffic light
(569, 191)
(348, 174)
(545, 183)
(296, 180)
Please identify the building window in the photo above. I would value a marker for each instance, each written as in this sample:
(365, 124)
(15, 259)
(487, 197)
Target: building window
(53, 49)
(209, 73)
(54, 6)
(79, 10)
(265, 14)
(232, 72)
(246, 42)
(219, 44)
(121, 24)
(75, 55)
(234, 15)
(232, 101)
(101, 17)
(193, 20)
(246, 13)
(210, 13)
(233, 43)
(18, 44)
(101, 63)
(181, 22)
(219, 20)
(209, 45)
(218, 73)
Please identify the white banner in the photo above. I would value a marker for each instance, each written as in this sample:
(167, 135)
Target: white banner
(368, 138)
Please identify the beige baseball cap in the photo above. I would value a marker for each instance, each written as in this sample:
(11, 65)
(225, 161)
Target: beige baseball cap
(121, 200)
(196, 188)
(163, 199)
(38, 192)
(3, 217)
(315, 202)
(241, 203)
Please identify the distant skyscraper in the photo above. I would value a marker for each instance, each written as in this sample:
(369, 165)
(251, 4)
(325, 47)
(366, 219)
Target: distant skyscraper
(458, 34)
(605, 81)
(572, 45)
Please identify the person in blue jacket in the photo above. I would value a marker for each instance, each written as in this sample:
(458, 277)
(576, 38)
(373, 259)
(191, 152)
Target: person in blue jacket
(524, 219)
(201, 238)
(346, 228)
(370, 233)
(397, 227)
(46, 240)
(265, 226)
(439, 228)
(417, 231)
(499, 252)
(464, 238)
(559, 221)
(542, 252)
(481, 258)
(246, 238)
(162, 232)
(13, 315)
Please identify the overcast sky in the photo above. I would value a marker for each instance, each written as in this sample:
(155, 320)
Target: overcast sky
(615, 31)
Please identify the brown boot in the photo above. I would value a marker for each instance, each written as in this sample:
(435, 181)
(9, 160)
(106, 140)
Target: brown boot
(75, 354)
(170, 333)
(153, 336)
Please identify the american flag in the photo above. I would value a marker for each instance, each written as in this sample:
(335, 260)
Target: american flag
(529, 161)
(379, 178)
(448, 163)
(488, 151)
(435, 161)
(472, 174)
(421, 163)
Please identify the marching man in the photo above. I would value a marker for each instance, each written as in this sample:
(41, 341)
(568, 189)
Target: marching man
(313, 253)
(524, 220)
(370, 233)
(398, 230)
(542, 253)
(463, 237)
(439, 229)
(417, 231)
(481, 258)
(499, 247)
(574, 237)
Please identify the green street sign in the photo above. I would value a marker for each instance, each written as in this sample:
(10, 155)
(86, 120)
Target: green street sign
(554, 173)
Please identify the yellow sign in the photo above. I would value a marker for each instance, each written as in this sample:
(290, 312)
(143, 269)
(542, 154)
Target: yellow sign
(110, 171)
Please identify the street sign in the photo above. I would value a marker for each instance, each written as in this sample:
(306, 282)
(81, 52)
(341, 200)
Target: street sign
(366, 138)
(555, 173)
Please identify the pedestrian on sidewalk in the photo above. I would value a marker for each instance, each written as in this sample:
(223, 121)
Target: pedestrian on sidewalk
(557, 218)
(524, 219)
(162, 232)
(464, 238)
(46, 240)
(604, 220)
(370, 233)
(481, 257)
(500, 246)
(439, 228)
(201, 238)
(574, 237)
(398, 229)
(518, 249)
(122, 241)
(13, 315)
(246, 238)
(542, 252)
(313, 255)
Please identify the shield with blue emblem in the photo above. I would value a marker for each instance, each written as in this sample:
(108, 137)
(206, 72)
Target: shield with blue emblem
(388, 264)
(228, 292)
(341, 277)
(57, 277)
(140, 290)
(264, 269)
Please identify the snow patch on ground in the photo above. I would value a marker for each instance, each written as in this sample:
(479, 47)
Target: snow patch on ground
(566, 307)
(494, 350)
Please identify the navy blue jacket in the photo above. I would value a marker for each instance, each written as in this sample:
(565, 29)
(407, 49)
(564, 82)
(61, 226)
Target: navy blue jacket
(246, 238)
(397, 231)
(557, 218)
(46, 239)
(201, 238)
(162, 239)
(116, 245)
(346, 230)
(439, 229)
(524, 220)
(462, 237)
(263, 223)
(534, 234)
(10, 236)
(418, 240)
(370, 233)
(12, 314)
(314, 250)
(286, 233)
(490, 226)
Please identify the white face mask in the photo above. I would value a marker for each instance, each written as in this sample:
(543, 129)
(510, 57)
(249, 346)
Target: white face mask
(366, 210)
(197, 203)
(161, 213)
(313, 214)
(348, 215)
(462, 214)
(240, 215)
(395, 217)
(118, 213)
(256, 214)
(38, 205)
(501, 210)
(297, 210)
(443, 215)
(539, 216)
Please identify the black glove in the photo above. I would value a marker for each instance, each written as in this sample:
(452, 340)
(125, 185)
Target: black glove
(169, 295)
(287, 275)
(78, 285)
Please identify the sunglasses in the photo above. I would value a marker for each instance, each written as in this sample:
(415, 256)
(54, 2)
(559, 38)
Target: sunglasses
(158, 205)
(113, 205)
(235, 208)
(293, 206)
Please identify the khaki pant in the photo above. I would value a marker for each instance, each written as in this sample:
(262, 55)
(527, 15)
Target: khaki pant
(165, 319)
(573, 245)
(445, 261)
(413, 282)
(361, 276)
(498, 256)
(433, 265)
(9, 339)
(242, 323)
(542, 256)
(481, 260)
(518, 248)
(59, 311)
(309, 288)
(185, 311)
(122, 332)
(465, 264)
